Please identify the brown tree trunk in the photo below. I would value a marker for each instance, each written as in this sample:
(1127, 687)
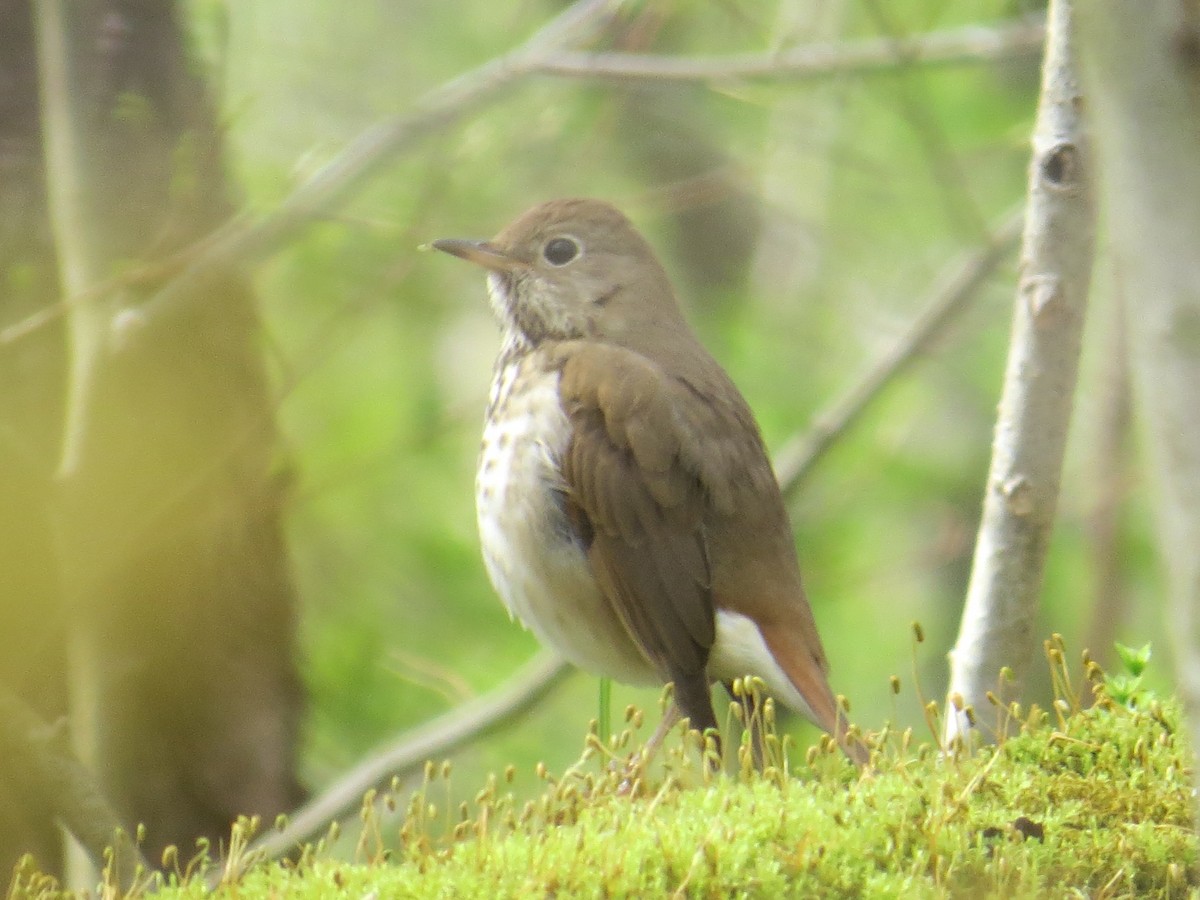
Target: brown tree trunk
(162, 494)
(31, 388)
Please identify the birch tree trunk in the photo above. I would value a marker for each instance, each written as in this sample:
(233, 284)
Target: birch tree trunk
(1143, 75)
(1035, 408)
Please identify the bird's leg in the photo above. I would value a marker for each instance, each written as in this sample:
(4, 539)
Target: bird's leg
(636, 765)
(669, 720)
(693, 697)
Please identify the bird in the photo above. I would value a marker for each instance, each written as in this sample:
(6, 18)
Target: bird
(627, 509)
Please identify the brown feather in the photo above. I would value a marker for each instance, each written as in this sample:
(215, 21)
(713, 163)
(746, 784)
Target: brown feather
(807, 673)
(648, 553)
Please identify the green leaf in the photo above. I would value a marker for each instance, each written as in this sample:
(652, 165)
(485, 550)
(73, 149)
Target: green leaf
(1134, 660)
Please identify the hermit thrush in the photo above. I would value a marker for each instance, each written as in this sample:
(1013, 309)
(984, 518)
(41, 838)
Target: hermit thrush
(627, 510)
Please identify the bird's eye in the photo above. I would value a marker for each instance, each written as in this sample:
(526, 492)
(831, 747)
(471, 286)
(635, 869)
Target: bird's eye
(560, 250)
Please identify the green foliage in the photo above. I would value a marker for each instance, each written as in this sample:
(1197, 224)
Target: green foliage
(1126, 687)
(1134, 660)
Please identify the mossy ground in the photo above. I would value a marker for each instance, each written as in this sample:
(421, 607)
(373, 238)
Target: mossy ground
(1081, 803)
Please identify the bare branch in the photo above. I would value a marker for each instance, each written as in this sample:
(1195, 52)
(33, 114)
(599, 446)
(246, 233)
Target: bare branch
(1039, 386)
(956, 287)
(33, 322)
(439, 737)
(960, 46)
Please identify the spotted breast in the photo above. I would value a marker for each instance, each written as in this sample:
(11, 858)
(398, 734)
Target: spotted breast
(533, 555)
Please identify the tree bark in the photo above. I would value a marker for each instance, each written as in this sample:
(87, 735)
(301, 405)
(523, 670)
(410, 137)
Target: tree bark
(1039, 386)
(32, 636)
(1143, 68)
(164, 495)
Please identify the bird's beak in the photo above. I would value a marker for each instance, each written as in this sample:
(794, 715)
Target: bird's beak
(481, 253)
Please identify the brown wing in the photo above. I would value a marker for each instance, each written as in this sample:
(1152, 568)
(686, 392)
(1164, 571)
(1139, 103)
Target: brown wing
(644, 508)
(668, 476)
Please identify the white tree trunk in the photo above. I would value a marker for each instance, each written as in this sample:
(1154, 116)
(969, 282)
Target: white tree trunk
(1143, 67)
(1035, 408)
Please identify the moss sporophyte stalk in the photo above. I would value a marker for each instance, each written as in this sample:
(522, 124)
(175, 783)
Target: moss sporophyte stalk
(1085, 799)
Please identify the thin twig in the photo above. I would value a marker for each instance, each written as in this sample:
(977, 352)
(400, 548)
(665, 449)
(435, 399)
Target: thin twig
(956, 287)
(959, 46)
(140, 275)
(439, 737)
(33, 322)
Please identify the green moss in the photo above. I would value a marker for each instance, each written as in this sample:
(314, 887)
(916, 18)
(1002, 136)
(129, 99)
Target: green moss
(1094, 803)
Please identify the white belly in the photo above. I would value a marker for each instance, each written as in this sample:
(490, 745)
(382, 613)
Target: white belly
(540, 571)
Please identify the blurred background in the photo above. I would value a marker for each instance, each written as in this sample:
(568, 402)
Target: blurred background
(805, 223)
